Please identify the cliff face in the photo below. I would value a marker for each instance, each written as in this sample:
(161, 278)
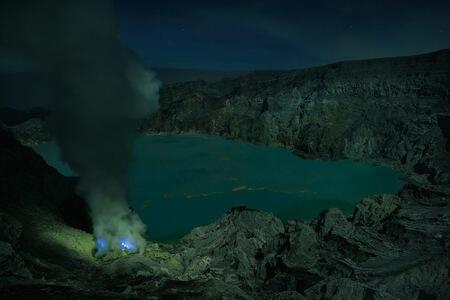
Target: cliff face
(394, 111)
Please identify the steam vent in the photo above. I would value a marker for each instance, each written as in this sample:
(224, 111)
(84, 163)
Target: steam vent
(268, 150)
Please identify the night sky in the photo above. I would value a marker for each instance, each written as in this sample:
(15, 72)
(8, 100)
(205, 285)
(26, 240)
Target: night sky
(265, 34)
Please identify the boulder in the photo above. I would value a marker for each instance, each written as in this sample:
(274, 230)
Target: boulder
(371, 211)
(303, 248)
(333, 222)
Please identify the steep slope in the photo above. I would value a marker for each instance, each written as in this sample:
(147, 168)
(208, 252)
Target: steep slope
(26, 181)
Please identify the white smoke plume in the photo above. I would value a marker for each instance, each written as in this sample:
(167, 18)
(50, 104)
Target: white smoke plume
(97, 90)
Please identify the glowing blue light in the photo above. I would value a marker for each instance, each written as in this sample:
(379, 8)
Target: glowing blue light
(101, 245)
(127, 245)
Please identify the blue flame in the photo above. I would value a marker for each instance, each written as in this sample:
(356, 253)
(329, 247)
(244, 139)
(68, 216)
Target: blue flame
(101, 245)
(124, 245)
(127, 245)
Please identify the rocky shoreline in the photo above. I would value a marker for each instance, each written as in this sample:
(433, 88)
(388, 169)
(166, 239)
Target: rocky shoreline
(393, 111)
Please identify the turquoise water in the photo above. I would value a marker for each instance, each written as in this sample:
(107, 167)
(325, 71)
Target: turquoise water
(178, 182)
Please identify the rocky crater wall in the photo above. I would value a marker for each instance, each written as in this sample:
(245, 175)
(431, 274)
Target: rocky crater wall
(394, 111)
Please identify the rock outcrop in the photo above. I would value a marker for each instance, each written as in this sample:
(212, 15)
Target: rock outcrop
(30, 127)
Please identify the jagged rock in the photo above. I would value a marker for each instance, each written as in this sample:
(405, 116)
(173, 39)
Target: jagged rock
(303, 248)
(423, 274)
(32, 132)
(373, 210)
(343, 289)
(154, 262)
(333, 222)
(243, 242)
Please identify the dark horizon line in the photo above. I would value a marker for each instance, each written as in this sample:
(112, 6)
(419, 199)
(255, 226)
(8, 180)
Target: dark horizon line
(155, 67)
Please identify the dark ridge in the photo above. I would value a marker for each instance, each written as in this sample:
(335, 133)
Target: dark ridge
(26, 180)
(11, 117)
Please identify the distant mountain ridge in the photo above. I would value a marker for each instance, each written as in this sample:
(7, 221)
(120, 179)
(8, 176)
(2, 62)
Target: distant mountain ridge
(172, 75)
